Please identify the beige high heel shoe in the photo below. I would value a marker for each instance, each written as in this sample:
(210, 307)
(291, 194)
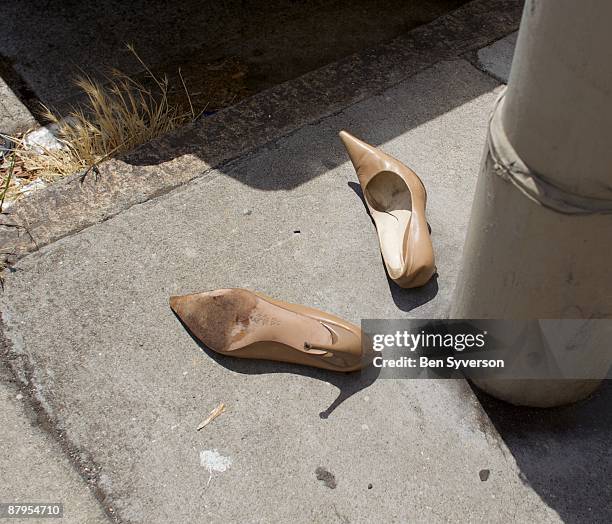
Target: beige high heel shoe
(396, 200)
(243, 324)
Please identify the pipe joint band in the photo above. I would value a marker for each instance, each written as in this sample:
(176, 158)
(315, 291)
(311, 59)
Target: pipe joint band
(508, 165)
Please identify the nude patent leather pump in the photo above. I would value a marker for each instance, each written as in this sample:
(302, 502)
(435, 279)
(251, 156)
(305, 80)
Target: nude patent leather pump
(396, 200)
(243, 324)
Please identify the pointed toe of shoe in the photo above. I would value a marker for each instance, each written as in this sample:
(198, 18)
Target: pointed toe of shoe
(184, 306)
(345, 136)
(175, 302)
(358, 151)
(210, 316)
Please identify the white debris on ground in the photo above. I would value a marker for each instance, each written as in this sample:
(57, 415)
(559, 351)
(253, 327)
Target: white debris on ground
(43, 139)
(37, 142)
(213, 461)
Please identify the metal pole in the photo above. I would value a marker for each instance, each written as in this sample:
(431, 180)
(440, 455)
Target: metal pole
(539, 244)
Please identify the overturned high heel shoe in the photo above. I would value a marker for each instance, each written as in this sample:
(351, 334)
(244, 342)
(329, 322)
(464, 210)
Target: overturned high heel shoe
(243, 324)
(396, 200)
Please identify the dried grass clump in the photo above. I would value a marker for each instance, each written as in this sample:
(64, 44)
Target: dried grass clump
(117, 116)
(21, 166)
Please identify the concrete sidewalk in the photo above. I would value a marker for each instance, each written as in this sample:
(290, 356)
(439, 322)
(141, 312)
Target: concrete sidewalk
(33, 467)
(126, 386)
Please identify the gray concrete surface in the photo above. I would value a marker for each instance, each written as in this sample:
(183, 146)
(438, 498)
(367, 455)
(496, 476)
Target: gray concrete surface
(90, 329)
(33, 468)
(496, 59)
(174, 159)
(14, 116)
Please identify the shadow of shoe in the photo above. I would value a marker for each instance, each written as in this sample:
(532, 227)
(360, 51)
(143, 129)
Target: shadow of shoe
(359, 192)
(408, 299)
(347, 383)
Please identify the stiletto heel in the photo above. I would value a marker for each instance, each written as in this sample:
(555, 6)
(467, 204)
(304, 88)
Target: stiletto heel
(396, 199)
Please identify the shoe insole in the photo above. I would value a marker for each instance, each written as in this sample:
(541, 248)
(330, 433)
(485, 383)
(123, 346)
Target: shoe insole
(391, 208)
(230, 319)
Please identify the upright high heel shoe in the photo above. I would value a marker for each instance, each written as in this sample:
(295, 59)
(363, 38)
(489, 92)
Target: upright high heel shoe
(396, 200)
(243, 324)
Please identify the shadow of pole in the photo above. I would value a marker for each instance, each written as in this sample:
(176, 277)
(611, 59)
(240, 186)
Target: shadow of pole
(564, 454)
